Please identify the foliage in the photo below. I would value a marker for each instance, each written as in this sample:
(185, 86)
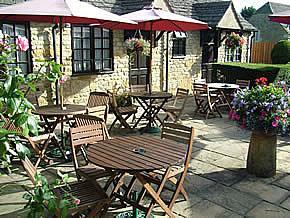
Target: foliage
(234, 41)
(123, 100)
(42, 198)
(264, 107)
(281, 52)
(248, 12)
(134, 45)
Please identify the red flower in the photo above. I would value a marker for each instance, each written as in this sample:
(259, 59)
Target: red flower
(262, 81)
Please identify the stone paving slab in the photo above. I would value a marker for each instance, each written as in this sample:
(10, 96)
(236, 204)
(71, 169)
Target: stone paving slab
(267, 210)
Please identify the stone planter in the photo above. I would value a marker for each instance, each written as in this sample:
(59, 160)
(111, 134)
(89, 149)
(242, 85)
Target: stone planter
(261, 159)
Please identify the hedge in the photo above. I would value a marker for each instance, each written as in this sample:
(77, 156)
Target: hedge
(230, 72)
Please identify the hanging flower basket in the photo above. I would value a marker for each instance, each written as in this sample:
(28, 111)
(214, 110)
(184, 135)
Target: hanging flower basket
(134, 45)
(234, 41)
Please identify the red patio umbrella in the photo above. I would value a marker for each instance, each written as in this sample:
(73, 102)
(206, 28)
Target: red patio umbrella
(60, 12)
(153, 19)
(283, 17)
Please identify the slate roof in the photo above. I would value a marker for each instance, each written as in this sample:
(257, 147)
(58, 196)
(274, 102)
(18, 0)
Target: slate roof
(273, 8)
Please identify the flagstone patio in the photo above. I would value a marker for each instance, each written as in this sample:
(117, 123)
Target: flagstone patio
(217, 181)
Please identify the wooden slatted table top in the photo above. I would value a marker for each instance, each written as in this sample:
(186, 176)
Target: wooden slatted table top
(152, 95)
(223, 86)
(119, 154)
(55, 110)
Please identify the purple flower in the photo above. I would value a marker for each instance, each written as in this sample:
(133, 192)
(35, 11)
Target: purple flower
(275, 123)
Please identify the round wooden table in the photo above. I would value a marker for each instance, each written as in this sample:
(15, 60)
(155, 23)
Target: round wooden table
(152, 103)
(223, 86)
(60, 115)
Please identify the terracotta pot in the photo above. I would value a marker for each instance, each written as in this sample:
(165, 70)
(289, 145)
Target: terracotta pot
(261, 159)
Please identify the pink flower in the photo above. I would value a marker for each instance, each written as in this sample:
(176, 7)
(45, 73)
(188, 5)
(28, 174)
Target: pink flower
(237, 117)
(288, 111)
(22, 43)
(77, 201)
(63, 79)
(274, 123)
(277, 118)
(284, 121)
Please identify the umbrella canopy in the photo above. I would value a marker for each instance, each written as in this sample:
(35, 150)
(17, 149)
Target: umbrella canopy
(61, 11)
(283, 17)
(155, 19)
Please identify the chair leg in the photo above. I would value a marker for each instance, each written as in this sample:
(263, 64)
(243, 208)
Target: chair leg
(113, 124)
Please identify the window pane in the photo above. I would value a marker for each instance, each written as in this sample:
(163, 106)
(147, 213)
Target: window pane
(98, 43)
(86, 54)
(87, 65)
(77, 43)
(20, 30)
(22, 56)
(98, 32)
(107, 64)
(106, 43)
(98, 65)
(8, 29)
(98, 54)
(77, 54)
(77, 32)
(23, 67)
(106, 53)
(86, 43)
(86, 32)
(77, 66)
(106, 33)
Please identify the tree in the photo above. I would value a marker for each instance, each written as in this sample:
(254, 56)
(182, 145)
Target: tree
(248, 12)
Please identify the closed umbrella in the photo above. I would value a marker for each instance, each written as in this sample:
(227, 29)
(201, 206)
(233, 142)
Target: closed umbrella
(60, 12)
(152, 19)
(283, 17)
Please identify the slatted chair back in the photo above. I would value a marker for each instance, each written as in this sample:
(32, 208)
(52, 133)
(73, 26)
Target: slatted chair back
(200, 90)
(181, 95)
(139, 88)
(243, 84)
(29, 168)
(86, 120)
(83, 135)
(184, 135)
(98, 104)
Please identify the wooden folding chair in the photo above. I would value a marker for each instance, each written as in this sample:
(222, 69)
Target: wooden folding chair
(243, 84)
(119, 112)
(89, 193)
(206, 101)
(176, 174)
(39, 144)
(175, 110)
(83, 136)
(98, 104)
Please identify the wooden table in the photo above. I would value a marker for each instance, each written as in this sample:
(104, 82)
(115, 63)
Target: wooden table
(152, 103)
(222, 88)
(118, 154)
(60, 115)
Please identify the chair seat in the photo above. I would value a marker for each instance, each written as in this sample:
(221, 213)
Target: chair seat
(171, 108)
(175, 170)
(93, 172)
(127, 110)
(85, 191)
(42, 137)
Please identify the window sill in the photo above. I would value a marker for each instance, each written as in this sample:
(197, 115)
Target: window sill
(178, 57)
(92, 74)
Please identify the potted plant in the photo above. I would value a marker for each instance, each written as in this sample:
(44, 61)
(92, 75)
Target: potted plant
(234, 41)
(264, 109)
(134, 45)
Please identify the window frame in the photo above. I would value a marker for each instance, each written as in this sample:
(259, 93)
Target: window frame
(229, 57)
(92, 49)
(27, 29)
(181, 47)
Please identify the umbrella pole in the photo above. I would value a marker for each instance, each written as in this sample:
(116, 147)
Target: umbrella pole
(150, 59)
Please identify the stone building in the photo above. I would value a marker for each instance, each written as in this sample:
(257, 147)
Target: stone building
(269, 31)
(96, 59)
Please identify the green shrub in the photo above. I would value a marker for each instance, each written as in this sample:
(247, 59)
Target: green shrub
(281, 52)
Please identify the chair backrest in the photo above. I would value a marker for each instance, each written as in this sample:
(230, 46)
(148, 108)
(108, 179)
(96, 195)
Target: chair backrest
(83, 135)
(98, 104)
(139, 88)
(200, 88)
(29, 168)
(243, 84)
(181, 134)
(181, 94)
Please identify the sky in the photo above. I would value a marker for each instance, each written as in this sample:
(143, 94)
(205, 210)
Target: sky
(239, 4)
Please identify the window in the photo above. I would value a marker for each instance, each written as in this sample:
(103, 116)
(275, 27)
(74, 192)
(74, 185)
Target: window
(179, 44)
(21, 59)
(92, 50)
(233, 55)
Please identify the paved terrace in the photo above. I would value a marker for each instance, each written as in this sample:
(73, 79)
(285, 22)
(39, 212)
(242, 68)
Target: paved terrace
(217, 182)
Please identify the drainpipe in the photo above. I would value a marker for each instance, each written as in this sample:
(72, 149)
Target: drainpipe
(167, 62)
(55, 58)
(250, 45)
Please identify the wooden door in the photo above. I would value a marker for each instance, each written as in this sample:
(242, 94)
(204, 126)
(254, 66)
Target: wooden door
(138, 70)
